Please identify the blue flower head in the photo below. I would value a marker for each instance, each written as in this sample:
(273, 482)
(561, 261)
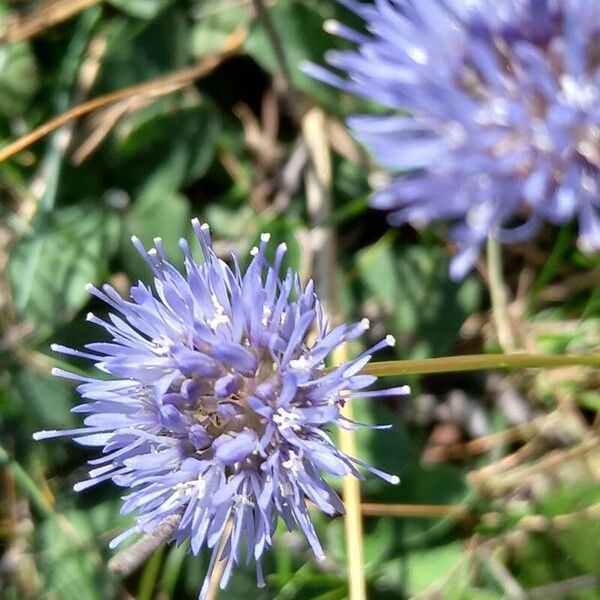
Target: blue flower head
(495, 113)
(214, 401)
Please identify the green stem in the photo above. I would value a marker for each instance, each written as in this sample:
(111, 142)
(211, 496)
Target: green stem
(26, 483)
(150, 575)
(479, 362)
(498, 295)
(552, 263)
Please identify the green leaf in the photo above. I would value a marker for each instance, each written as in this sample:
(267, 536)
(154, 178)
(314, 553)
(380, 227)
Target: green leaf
(589, 400)
(570, 550)
(52, 263)
(172, 569)
(377, 543)
(230, 222)
(428, 571)
(378, 271)
(18, 78)
(580, 541)
(143, 50)
(283, 229)
(155, 215)
(432, 566)
(73, 562)
(217, 19)
(45, 401)
(413, 285)
(142, 9)
(385, 449)
(167, 150)
(300, 27)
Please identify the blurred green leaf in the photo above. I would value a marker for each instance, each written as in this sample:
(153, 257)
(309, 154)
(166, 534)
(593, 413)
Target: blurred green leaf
(168, 150)
(283, 229)
(142, 9)
(19, 78)
(230, 222)
(414, 286)
(51, 264)
(71, 559)
(216, 20)
(570, 550)
(581, 540)
(480, 594)
(142, 50)
(438, 566)
(172, 570)
(378, 542)
(148, 580)
(45, 401)
(155, 215)
(300, 27)
(386, 449)
(589, 400)
(429, 572)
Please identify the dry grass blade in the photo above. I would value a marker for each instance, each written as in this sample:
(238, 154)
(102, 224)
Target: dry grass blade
(151, 89)
(499, 297)
(484, 443)
(49, 15)
(353, 517)
(504, 482)
(511, 587)
(414, 510)
(541, 523)
(318, 183)
(217, 573)
(566, 588)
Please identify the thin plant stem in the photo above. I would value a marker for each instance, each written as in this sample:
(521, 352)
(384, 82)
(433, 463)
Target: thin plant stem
(318, 183)
(27, 484)
(286, 86)
(263, 15)
(149, 575)
(511, 587)
(353, 517)
(479, 362)
(498, 295)
(217, 574)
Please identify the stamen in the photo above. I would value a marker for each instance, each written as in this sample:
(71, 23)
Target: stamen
(286, 419)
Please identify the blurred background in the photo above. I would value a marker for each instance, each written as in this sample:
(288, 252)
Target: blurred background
(219, 131)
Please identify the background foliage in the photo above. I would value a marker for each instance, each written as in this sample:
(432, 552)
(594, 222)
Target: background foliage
(516, 455)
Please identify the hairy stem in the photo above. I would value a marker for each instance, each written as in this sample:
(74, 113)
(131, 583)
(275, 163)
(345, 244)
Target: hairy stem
(127, 561)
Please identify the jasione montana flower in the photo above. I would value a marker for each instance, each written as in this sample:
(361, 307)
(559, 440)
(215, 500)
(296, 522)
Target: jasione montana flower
(217, 401)
(495, 112)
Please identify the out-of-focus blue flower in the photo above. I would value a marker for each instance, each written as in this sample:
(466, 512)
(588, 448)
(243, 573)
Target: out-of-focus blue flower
(216, 401)
(503, 102)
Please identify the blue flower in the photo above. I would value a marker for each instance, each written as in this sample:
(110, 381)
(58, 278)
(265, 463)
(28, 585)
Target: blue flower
(495, 113)
(216, 401)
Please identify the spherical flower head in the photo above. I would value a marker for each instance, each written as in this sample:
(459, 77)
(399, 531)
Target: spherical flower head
(495, 113)
(216, 401)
